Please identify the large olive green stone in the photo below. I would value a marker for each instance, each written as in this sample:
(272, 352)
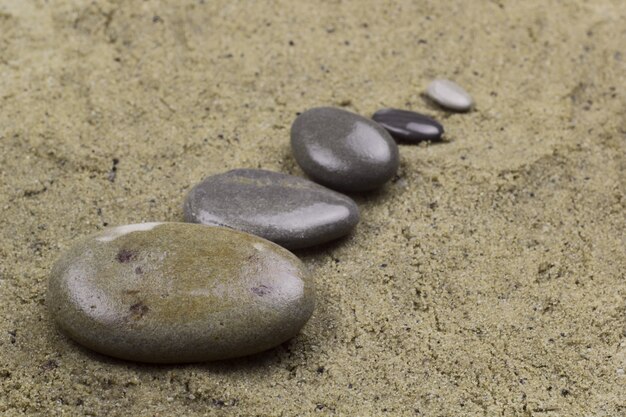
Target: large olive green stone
(179, 292)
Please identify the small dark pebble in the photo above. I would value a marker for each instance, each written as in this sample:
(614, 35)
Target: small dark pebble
(112, 174)
(408, 126)
(49, 365)
(219, 403)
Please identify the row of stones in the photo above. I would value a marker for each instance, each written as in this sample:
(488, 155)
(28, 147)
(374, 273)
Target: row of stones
(350, 153)
(184, 292)
(337, 149)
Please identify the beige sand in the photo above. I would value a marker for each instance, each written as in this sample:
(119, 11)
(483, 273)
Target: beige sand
(488, 279)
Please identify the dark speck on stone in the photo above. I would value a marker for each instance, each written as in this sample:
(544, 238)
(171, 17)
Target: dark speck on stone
(125, 255)
(138, 310)
(261, 290)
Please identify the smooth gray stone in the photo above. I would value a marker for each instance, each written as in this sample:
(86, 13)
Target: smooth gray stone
(291, 211)
(449, 95)
(179, 292)
(343, 150)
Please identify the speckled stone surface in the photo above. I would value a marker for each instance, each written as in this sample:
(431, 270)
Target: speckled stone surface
(288, 210)
(408, 126)
(178, 292)
(449, 95)
(343, 150)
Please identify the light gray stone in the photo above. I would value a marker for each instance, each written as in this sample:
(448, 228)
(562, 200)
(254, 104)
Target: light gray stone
(449, 95)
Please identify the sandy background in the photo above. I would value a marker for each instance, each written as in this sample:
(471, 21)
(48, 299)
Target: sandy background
(487, 279)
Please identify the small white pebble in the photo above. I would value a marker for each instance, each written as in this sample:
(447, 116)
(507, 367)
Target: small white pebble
(449, 95)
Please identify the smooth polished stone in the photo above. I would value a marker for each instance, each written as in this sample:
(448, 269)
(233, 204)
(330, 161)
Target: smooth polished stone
(449, 95)
(343, 150)
(408, 126)
(291, 211)
(178, 292)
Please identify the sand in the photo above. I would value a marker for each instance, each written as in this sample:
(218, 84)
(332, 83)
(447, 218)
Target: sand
(486, 279)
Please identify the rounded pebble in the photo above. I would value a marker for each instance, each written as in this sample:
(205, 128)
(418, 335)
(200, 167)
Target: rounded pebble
(290, 211)
(178, 292)
(343, 150)
(449, 95)
(408, 126)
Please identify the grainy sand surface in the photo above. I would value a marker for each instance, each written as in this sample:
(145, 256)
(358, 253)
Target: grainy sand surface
(488, 279)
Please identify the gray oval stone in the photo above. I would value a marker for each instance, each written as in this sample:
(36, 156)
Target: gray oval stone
(178, 292)
(343, 150)
(291, 211)
(449, 95)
